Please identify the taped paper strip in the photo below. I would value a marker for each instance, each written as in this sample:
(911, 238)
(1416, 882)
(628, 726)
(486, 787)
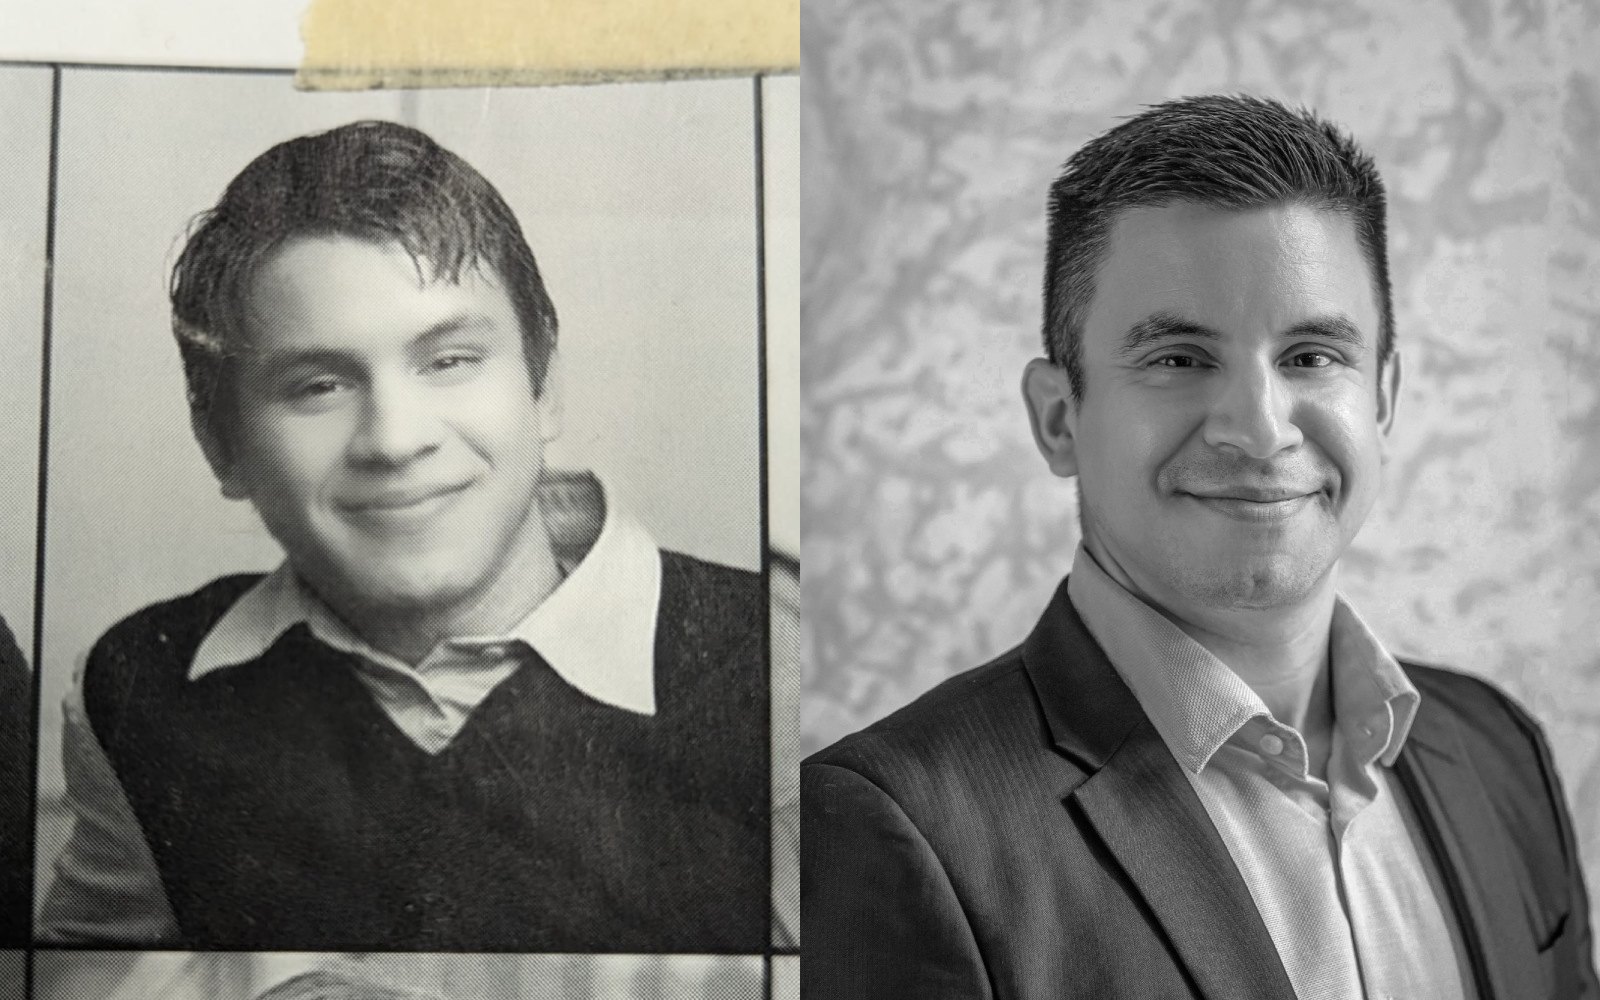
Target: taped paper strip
(364, 44)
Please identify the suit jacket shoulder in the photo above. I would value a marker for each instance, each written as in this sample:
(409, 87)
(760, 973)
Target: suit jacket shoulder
(896, 825)
(1486, 777)
(1504, 744)
(1493, 720)
(947, 743)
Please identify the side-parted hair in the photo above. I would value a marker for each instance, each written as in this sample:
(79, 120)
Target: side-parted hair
(1230, 152)
(370, 180)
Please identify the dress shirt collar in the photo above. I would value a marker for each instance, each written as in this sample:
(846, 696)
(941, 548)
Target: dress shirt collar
(1197, 703)
(596, 629)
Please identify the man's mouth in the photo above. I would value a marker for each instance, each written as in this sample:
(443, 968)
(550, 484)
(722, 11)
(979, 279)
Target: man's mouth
(1254, 494)
(1255, 504)
(404, 501)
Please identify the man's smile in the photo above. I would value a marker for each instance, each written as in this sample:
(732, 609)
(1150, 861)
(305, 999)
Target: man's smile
(403, 508)
(1255, 509)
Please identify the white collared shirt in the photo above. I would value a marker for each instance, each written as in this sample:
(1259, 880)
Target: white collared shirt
(1339, 870)
(596, 630)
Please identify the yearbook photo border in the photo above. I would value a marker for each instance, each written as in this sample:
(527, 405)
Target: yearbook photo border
(47, 332)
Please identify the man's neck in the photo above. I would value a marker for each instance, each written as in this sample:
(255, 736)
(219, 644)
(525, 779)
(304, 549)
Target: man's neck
(1282, 653)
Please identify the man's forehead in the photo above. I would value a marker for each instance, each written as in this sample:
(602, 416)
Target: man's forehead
(319, 251)
(316, 287)
(1291, 227)
(1233, 270)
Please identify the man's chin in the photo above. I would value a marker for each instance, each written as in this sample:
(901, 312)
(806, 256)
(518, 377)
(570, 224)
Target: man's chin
(1257, 585)
(398, 592)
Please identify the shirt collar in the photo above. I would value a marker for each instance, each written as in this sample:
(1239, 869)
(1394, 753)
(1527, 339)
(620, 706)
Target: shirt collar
(596, 629)
(1197, 703)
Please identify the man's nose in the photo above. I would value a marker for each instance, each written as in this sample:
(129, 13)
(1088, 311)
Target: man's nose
(1253, 412)
(398, 423)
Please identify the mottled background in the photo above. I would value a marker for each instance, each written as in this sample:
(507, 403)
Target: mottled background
(933, 534)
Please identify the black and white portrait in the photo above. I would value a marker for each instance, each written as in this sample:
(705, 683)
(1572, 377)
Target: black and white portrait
(404, 563)
(1200, 500)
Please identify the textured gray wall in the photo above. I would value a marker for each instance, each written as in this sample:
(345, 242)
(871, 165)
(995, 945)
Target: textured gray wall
(933, 534)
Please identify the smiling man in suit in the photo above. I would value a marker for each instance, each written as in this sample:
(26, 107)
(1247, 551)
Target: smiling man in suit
(1202, 775)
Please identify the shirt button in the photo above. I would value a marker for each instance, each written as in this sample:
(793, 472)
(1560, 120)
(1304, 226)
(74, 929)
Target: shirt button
(1271, 745)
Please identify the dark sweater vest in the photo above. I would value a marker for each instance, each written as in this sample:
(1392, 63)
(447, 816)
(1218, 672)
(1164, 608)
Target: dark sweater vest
(286, 811)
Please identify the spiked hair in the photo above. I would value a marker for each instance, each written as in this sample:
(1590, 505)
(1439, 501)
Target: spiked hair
(1233, 152)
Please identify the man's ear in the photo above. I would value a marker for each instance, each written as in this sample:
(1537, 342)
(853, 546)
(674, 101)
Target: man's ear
(1388, 399)
(219, 455)
(1047, 391)
(550, 399)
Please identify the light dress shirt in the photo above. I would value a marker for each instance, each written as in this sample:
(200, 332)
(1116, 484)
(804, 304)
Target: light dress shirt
(596, 630)
(1339, 869)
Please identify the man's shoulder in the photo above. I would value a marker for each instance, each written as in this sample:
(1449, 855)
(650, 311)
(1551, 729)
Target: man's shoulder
(711, 630)
(706, 595)
(701, 576)
(1473, 721)
(1477, 705)
(981, 718)
(169, 630)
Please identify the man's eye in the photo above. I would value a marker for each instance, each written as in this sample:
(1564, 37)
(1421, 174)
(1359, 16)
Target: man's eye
(1176, 361)
(1311, 359)
(316, 388)
(452, 362)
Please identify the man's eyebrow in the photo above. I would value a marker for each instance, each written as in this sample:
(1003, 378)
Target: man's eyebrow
(278, 361)
(467, 322)
(1338, 329)
(1165, 326)
(1158, 327)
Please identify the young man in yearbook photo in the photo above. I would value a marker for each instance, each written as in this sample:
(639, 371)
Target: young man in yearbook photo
(1202, 774)
(476, 707)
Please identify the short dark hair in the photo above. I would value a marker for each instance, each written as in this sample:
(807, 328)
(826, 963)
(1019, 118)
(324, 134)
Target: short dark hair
(1233, 152)
(369, 180)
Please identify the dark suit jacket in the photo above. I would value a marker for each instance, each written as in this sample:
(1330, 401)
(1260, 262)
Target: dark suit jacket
(1022, 831)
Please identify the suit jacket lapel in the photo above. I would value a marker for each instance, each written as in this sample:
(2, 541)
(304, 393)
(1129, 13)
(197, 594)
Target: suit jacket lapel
(1144, 809)
(1469, 841)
